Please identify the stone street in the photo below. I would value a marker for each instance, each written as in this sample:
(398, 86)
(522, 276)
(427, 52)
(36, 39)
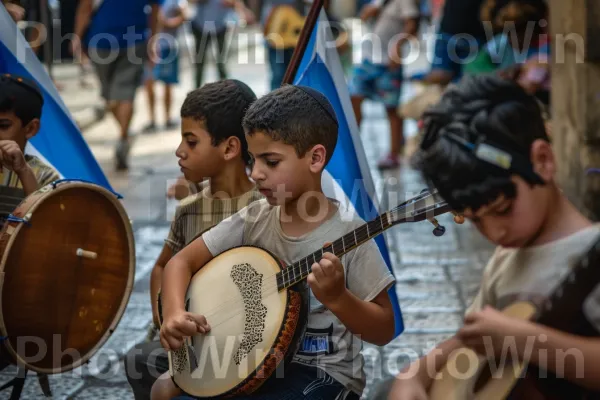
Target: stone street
(436, 276)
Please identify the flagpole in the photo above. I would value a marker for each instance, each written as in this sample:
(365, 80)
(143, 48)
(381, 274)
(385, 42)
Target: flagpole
(309, 25)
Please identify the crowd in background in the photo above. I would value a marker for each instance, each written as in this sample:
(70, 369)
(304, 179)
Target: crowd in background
(508, 37)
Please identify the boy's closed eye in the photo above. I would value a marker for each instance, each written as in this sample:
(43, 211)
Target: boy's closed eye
(5, 124)
(505, 209)
(272, 163)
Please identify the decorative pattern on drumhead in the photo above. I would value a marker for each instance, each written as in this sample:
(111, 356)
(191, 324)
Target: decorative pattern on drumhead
(180, 360)
(249, 282)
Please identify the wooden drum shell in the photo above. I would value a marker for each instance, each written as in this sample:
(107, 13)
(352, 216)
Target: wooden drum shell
(66, 275)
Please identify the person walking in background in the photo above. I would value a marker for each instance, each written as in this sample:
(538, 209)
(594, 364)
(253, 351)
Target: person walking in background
(209, 25)
(166, 70)
(126, 25)
(279, 57)
(379, 77)
(460, 28)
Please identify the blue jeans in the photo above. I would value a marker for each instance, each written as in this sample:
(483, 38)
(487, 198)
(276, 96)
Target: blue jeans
(278, 63)
(300, 382)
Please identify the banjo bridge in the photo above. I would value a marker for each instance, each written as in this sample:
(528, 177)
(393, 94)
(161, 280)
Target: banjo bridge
(249, 283)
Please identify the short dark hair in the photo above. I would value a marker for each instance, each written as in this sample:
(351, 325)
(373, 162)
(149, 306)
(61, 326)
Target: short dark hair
(221, 106)
(483, 108)
(21, 96)
(298, 116)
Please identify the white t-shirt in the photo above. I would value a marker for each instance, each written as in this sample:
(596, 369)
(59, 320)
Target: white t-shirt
(327, 343)
(388, 29)
(532, 273)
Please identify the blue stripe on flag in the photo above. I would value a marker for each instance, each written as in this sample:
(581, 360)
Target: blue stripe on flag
(344, 166)
(59, 140)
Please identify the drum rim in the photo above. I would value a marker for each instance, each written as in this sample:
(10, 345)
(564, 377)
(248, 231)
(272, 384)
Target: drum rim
(43, 193)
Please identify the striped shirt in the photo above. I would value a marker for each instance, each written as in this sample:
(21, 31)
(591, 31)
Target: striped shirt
(11, 188)
(200, 212)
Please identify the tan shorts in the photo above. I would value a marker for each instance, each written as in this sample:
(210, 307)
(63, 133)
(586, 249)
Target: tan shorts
(120, 71)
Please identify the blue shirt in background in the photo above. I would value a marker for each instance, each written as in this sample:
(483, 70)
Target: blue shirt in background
(120, 24)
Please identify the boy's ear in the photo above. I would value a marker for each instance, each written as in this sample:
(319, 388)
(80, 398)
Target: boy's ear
(233, 147)
(32, 128)
(542, 159)
(318, 155)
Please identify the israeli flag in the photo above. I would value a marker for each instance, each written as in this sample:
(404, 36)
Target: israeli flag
(59, 142)
(347, 176)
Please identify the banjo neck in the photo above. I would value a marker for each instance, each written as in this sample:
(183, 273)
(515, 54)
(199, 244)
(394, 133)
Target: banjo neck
(425, 206)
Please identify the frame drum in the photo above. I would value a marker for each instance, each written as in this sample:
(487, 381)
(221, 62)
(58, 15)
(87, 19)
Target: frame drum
(66, 273)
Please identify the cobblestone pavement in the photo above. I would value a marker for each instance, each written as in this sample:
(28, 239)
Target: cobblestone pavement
(436, 277)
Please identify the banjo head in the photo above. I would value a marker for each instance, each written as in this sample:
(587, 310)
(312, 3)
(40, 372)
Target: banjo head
(252, 325)
(68, 275)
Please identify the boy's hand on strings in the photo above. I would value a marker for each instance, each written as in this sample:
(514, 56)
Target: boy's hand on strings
(489, 332)
(12, 157)
(180, 325)
(327, 279)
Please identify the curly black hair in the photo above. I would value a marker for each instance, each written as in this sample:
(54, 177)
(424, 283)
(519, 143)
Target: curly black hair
(298, 116)
(482, 108)
(221, 106)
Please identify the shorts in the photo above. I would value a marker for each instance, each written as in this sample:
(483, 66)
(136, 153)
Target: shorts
(378, 83)
(452, 52)
(167, 69)
(120, 75)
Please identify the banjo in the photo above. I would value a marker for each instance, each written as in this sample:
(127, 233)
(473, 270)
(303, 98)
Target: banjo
(258, 311)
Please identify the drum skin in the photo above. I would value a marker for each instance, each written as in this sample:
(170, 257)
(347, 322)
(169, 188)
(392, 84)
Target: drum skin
(245, 346)
(57, 307)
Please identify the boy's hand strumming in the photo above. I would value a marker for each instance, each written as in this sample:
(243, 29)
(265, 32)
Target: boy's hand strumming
(180, 325)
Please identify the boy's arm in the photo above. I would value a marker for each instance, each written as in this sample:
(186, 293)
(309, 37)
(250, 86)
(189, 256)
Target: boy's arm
(362, 304)
(372, 320)
(177, 323)
(178, 274)
(28, 180)
(156, 281)
(12, 158)
(176, 278)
